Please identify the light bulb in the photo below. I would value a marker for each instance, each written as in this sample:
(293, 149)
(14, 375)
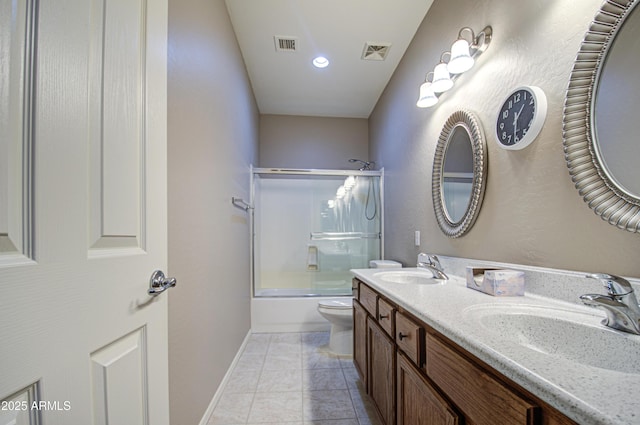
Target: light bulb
(427, 97)
(461, 61)
(441, 78)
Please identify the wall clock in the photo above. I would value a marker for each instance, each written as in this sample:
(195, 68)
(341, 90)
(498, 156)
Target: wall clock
(521, 117)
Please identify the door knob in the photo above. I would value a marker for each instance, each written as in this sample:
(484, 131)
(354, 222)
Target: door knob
(160, 283)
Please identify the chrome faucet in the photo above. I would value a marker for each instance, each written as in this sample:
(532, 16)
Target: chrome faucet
(620, 305)
(431, 263)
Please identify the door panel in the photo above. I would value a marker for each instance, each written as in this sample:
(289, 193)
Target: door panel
(16, 409)
(16, 85)
(76, 322)
(117, 123)
(119, 381)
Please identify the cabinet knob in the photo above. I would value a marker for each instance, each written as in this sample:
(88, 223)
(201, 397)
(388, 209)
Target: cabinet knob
(401, 336)
(383, 316)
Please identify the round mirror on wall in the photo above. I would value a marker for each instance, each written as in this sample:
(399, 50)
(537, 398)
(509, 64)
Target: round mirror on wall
(459, 174)
(601, 130)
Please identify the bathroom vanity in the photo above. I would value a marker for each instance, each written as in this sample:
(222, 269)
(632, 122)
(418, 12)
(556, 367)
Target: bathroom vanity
(425, 359)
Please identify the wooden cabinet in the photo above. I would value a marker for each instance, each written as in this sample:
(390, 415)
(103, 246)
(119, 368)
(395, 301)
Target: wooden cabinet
(369, 299)
(360, 340)
(419, 403)
(410, 338)
(417, 376)
(386, 316)
(476, 392)
(381, 371)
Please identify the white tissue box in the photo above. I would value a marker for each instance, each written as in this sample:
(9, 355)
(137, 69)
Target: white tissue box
(496, 282)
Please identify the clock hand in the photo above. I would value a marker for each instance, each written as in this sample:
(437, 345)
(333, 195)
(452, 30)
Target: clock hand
(516, 116)
(515, 122)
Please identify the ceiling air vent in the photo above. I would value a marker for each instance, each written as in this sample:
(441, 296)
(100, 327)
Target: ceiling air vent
(285, 44)
(375, 51)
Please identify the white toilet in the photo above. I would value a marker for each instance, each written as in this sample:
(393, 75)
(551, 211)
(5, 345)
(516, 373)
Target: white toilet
(339, 312)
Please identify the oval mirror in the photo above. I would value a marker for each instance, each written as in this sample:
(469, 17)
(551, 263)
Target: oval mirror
(600, 128)
(459, 170)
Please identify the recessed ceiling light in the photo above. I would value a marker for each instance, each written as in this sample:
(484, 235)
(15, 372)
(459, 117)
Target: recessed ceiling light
(321, 62)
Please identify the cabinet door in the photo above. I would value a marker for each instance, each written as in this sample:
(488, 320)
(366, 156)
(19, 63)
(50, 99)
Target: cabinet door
(381, 376)
(418, 402)
(360, 341)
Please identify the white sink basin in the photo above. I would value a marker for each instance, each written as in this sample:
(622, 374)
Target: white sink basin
(413, 275)
(569, 335)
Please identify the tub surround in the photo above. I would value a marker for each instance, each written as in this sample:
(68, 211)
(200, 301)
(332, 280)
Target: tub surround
(288, 314)
(586, 394)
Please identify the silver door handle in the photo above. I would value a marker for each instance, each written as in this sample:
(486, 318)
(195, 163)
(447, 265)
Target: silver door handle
(160, 283)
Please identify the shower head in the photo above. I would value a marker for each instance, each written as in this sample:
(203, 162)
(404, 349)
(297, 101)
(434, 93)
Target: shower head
(366, 165)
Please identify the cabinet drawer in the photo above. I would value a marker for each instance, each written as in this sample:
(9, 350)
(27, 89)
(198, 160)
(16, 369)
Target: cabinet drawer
(410, 337)
(355, 291)
(368, 298)
(385, 316)
(483, 399)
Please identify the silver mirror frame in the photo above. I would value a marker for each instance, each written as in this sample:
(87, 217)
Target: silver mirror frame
(471, 124)
(590, 176)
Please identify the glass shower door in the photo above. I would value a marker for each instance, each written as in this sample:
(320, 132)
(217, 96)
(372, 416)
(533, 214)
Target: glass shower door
(311, 229)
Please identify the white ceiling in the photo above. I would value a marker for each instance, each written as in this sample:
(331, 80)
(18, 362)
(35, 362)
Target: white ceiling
(286, 83)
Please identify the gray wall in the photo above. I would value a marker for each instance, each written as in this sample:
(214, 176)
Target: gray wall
(312, 142)
(212, 138)
(531, 213)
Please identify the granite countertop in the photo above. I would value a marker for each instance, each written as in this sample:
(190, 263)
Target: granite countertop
(586, 394)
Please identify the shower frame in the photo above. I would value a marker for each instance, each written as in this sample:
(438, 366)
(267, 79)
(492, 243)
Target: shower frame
(308, 172)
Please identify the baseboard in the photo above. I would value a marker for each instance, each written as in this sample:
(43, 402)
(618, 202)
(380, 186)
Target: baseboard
(216, 397)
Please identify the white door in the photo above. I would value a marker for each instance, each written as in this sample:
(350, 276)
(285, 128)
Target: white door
(82, 212)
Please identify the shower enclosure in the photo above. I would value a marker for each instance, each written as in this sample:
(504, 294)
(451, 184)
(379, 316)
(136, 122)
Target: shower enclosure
(310, 227)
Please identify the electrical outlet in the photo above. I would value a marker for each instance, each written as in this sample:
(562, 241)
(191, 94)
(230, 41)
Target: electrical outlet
(417, 237)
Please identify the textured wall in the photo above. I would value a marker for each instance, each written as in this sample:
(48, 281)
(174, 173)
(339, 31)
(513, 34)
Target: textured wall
(212, 139)
(531, 213)
(312, 142)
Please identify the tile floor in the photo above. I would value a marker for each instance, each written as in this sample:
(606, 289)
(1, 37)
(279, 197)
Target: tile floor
(289, 378)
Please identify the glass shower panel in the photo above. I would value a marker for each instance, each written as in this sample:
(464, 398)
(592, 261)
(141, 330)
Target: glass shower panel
(310, 230)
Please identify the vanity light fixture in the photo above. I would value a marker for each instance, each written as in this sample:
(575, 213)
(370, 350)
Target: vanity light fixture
(441, 78)
(461, 59)
(427, 95)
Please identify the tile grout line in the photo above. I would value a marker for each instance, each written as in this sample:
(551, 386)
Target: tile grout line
(255, 390)
(206, 418)
(304, 344)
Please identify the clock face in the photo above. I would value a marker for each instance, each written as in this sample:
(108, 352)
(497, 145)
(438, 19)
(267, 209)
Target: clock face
(521, 118)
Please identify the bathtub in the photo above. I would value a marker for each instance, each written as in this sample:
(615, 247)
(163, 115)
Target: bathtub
(288, 310)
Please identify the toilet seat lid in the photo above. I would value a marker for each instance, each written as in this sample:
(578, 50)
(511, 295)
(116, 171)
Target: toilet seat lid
(337, 304)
